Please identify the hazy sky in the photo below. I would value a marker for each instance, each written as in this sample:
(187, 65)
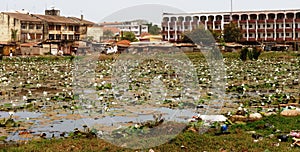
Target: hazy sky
(99, 10)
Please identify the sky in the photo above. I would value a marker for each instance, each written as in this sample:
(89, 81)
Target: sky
(151, 10)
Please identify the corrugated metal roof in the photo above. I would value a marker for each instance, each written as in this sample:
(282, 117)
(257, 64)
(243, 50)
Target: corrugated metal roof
(78, 20)
(48, 18)
(55, 19)
(22, 17)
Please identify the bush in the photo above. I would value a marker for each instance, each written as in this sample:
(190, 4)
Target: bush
(243, 55)
(256, 53)
(251, 54)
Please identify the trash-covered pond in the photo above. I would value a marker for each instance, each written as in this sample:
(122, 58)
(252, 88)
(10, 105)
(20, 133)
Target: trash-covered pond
(40, 94)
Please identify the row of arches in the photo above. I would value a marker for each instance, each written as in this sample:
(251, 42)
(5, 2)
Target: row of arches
(236, 17)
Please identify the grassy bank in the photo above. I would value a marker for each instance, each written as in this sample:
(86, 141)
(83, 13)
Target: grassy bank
(238, 140)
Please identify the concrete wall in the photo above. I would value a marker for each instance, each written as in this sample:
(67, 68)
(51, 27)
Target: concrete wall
(6, 24)
(96, 32)
(34, 51)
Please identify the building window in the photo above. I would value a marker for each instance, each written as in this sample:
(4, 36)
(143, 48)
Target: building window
(24, 36)
(268, 25)
(171, 37)
(71, 37)
(32, 36)
(250, 26)
(31, 26)
(65, 36)
(287, 25)
(77, 37)
(287, 34)
(216, 27)
(58, 37)
(51, 36)
(71, 28)
(245, 35)
(24, 26)
(38, 26)
(76, 29)
(15, 20)
(58, 27)
(39, 36)
(51, 27)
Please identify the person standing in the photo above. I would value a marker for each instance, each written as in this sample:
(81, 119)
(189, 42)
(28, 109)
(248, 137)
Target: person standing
(10, 53)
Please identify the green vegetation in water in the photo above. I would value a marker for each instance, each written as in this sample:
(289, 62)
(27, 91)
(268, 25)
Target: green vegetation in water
(237, 140)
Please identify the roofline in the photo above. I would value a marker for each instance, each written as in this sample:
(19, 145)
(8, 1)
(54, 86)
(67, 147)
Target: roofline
(40, 19)
(237, 12)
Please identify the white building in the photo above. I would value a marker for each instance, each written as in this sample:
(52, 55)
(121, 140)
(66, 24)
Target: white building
(137, 26)
(263, 26)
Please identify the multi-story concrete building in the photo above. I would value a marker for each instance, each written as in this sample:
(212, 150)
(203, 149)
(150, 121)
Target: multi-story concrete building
(51, 30)
(261, 26)
(137, 26)
(24, 26)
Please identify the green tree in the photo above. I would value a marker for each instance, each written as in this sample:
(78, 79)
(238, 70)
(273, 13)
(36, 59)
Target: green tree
(217, 35)
(90, 38)
(14, 35)
(198, 36)
(153, 29)
(128, 36)
(108, 33)
(232, 33)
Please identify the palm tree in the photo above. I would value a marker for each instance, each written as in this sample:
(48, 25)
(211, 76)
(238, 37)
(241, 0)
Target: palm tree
(14, 35)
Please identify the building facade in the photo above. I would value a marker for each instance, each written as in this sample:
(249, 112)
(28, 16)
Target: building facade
(260, 26)
(51, 30)
(137, 26)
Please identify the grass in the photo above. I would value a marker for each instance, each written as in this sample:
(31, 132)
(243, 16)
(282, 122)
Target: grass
(238, 140)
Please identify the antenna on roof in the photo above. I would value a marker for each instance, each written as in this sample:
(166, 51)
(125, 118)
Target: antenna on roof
(81, 14)
(230, 10)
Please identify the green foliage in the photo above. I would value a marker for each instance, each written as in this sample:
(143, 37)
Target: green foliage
(128, 36)
(14, 35)
(198, 36)
(232, 33)
(256, 53)
(108, 33)
(217, 36)
(251, 54)
(243, 54)
(153, 29)
(90, 38)
(237, 140)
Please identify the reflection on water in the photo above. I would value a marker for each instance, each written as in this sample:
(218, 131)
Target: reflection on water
(39, 123)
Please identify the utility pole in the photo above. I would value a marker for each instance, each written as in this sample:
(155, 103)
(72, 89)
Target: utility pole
(230, 10)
